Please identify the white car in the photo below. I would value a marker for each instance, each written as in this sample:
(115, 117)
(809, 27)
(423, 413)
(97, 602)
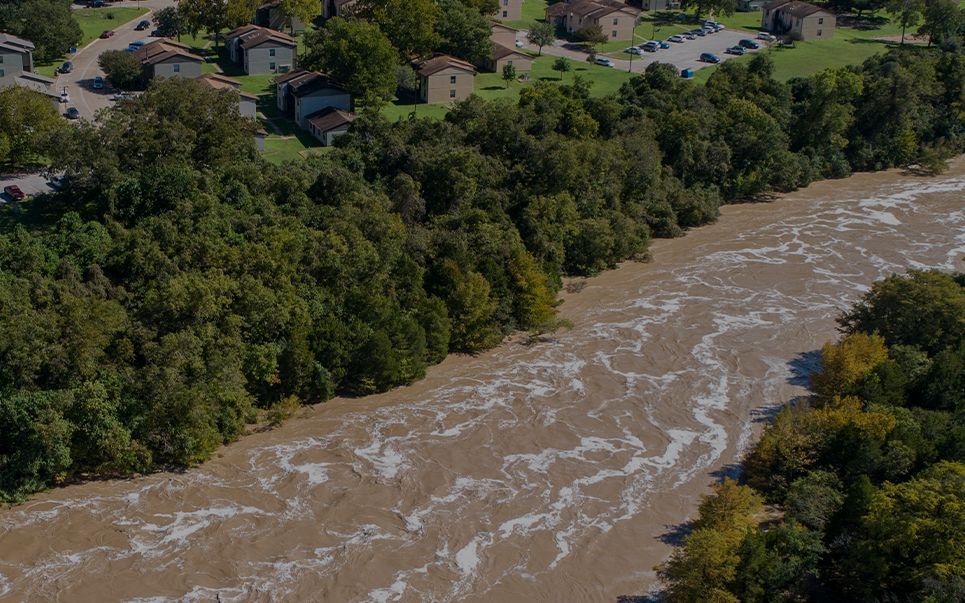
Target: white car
(633, 50)
(64, 97)
(766, 37)
(676, 39)
(603, 61)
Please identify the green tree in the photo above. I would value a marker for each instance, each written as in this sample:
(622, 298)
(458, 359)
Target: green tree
(49, 24)
(541, 33)
(717, 7)
(509, 73)
(169, 22)
(28, 124)
(304, 10)
(591, 34)
(562, 65)
(123, 69)
(409, 24)
(357, 54)
(463, 32)
(908, 12)
(943, 21)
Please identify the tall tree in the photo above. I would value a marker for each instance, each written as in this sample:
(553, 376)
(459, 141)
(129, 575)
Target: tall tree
(943, 21)
(908, 12)
(541, 34)
(49, 24)
(716, 7)
(463, 32)
(123, 69)
(305, 10)
(27, 123)
(409, 24)
(357, 54)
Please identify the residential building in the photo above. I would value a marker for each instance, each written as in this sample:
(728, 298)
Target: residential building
(503, 55)
(271, 15)
(615, 18)
(16, 67)
(247, 102)
(301, 94)
(444, 79)
(503, 34)
(329, 123)
(167, 58)
(798, 20)
(749, 6)
(260, 50)
(655, 5)
(336, 8)
(510, 10)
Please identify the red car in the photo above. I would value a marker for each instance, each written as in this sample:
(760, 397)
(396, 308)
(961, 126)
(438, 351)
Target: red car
(13, 191)
(106, 34)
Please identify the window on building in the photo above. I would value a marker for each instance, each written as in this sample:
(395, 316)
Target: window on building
(505, 2)
(2, 73)
(1, 58)
(613, 34)
(616, 20)
(177, 68)
(819, 33)
(452, 79)
(820, 20)
(452, 94)
(505, 14)
(271, 66)
(271, 52)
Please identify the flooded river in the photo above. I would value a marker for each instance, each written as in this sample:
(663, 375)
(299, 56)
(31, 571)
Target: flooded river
(540, 471)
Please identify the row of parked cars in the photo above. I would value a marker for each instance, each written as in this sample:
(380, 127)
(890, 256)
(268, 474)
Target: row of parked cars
(739, 49)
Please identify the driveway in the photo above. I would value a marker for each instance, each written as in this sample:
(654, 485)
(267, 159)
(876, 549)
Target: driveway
(31, 183)
(681, 56)
(78, 81)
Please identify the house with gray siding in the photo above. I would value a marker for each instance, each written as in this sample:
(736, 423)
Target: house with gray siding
(261, 50)
(272, 16)
(167, 58)
(328, 124)
(798, 20)
(16, 67)
(302, 93)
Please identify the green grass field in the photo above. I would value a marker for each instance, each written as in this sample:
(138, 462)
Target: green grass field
(533, 10)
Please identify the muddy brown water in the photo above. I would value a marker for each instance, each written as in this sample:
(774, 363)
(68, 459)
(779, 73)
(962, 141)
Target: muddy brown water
(549, 471)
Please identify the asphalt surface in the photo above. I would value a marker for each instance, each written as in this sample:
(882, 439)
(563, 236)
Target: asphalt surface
(78, 82)
(681, 56)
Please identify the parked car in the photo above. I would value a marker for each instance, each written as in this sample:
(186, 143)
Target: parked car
(13, 191)
(710, 23)
(122, 96)
(709, 30)
(603, 61)
(143, 25)
(65, 97)
(135, 45)
(689, 35)
(699, 32)
(663, 44)
(156, 33)
(766, 37)
(72, 113)
(98, 83)
(96, 4)
(650, 46)
(749, 44)
(106, 34)
(676, 39)
(67, 67)
(709, 57)
(633, 50)
(737, 50)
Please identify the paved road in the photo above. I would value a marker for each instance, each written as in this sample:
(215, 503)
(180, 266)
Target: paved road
(31, 183)
(682, 56)
(78, 82)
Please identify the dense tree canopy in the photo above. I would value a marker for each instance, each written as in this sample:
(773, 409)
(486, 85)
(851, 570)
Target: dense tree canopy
(179, 286)
(358, 55)
(49, 24)
(869, 477)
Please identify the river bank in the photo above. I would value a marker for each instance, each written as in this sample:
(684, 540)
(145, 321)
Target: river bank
(555, 470)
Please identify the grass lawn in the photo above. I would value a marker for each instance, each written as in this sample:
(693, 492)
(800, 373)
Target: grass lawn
(280, 149)
(533, 10)
(490, 86)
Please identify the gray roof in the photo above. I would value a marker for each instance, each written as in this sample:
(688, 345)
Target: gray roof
(15, 43)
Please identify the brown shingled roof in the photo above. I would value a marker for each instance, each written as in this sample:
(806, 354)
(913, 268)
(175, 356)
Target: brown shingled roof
(590, 9)
(330, 118)
(161, 50)
(501, 52)
(223, 82)
(437, 63)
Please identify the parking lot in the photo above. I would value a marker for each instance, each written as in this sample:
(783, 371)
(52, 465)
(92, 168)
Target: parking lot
(681, 56)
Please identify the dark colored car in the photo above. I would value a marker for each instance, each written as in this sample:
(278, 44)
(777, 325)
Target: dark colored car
(73, 113)
(13, 191)
(106, 34)
(143, 25)
(709, 57)
(751, 44)
(699, 32)
(67, 67)
(98, 83)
